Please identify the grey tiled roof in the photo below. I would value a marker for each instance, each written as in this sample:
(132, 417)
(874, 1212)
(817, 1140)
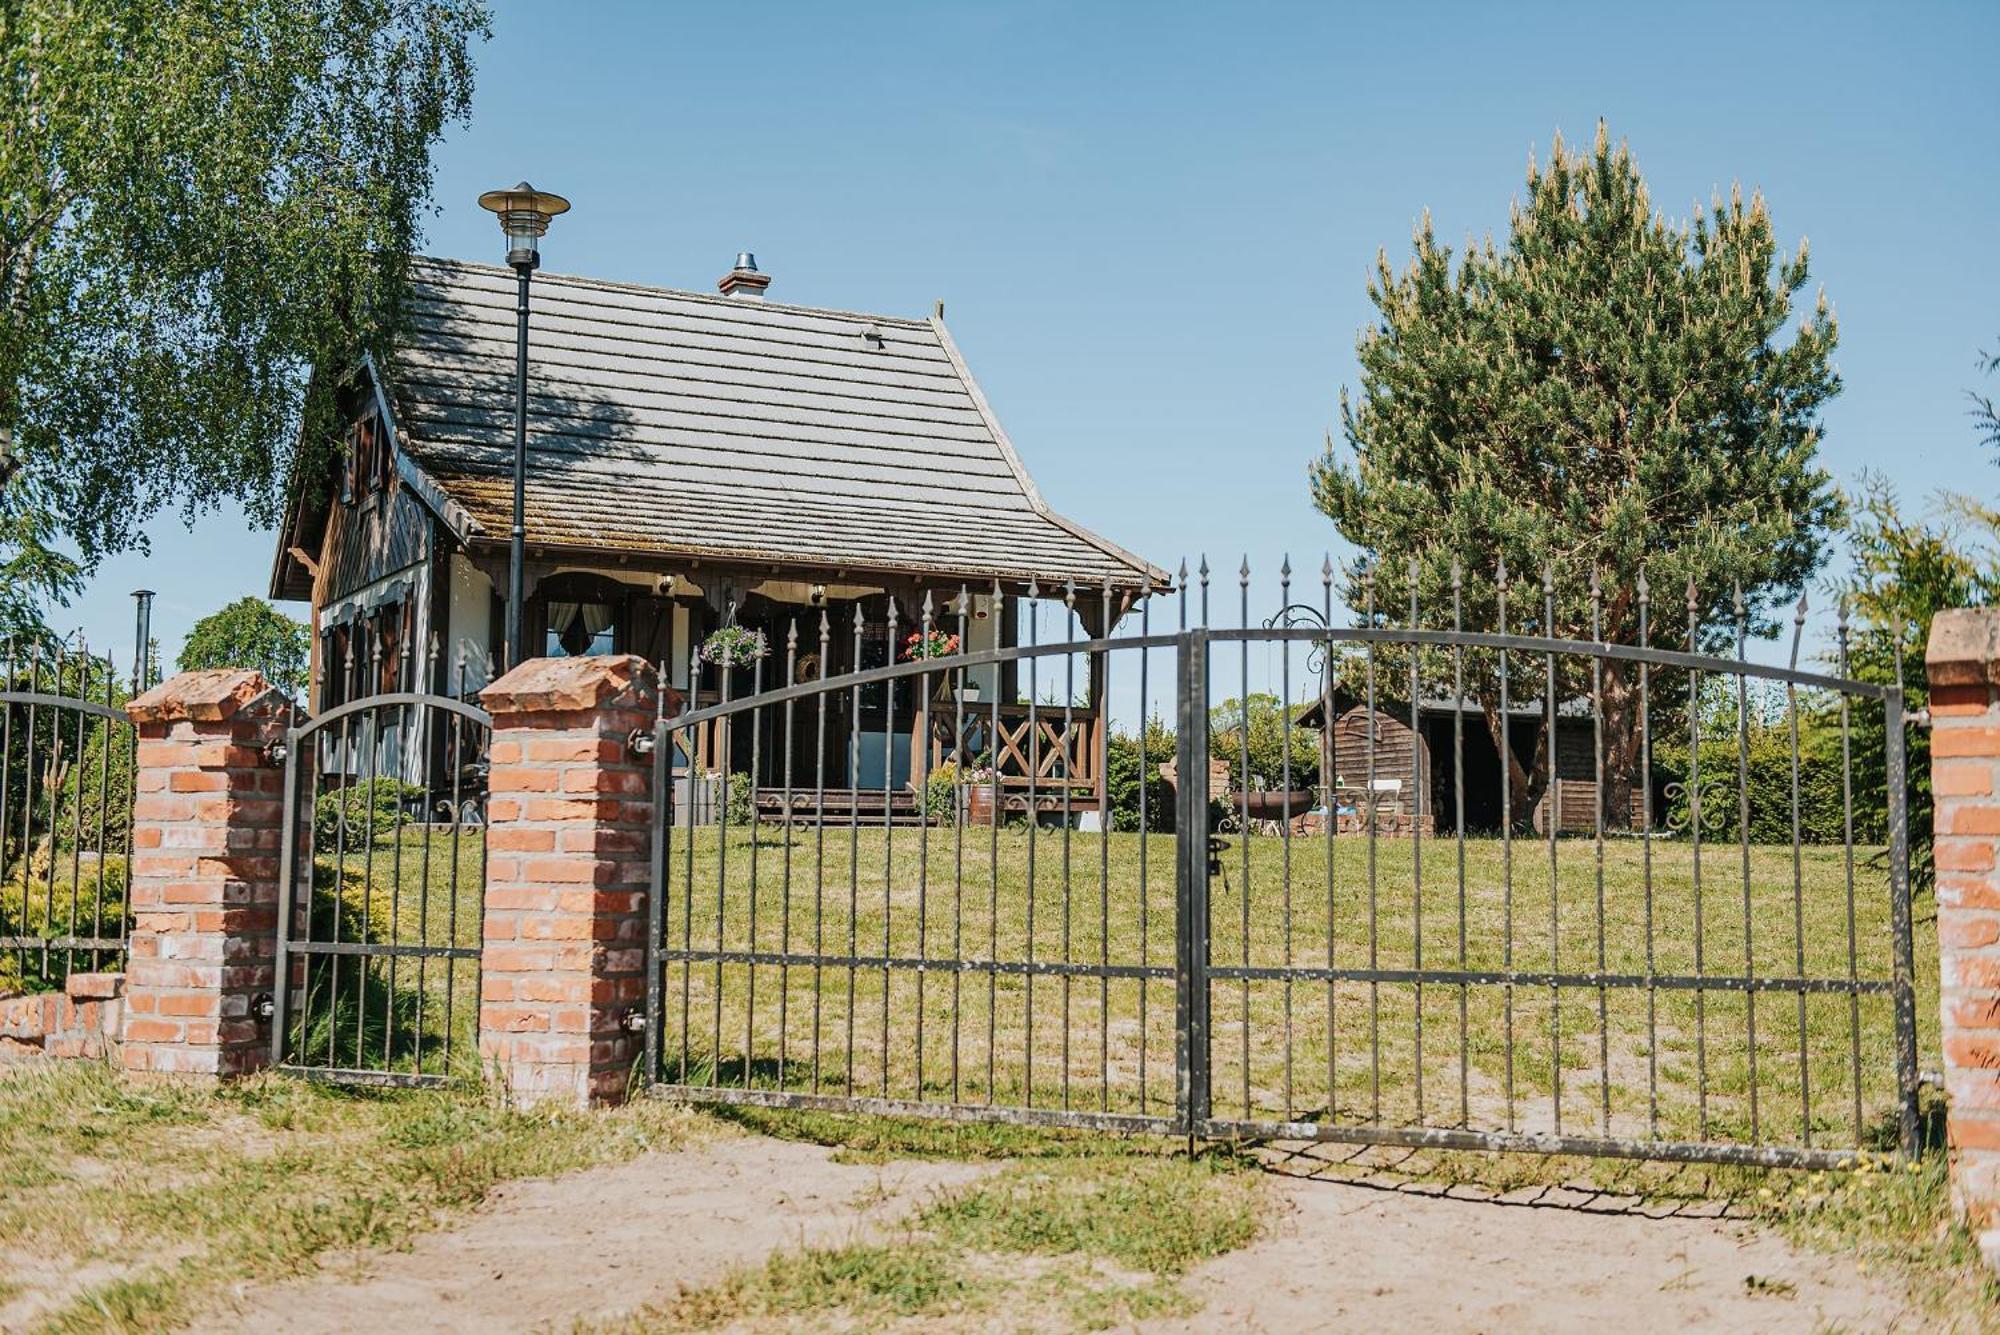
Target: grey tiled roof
(671, 422)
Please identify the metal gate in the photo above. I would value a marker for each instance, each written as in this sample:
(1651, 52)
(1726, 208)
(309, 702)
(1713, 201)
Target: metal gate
(382, 882)
(66, 753)
(1712, 963)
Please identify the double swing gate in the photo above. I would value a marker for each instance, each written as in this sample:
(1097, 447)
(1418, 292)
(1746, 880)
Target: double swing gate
(1307, 899)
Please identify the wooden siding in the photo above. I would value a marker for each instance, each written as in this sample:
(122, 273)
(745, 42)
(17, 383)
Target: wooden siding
(1398, 752)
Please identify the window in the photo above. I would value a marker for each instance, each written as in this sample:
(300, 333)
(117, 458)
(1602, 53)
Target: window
(577, 629)
(371, 461)
(577, 613)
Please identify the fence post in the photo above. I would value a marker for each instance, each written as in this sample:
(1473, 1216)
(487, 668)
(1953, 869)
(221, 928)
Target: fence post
(206, 826)
(1963, 660)
(569, 843)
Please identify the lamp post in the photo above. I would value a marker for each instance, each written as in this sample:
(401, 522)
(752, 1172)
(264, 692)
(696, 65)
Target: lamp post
(142, 635)
(524, 214)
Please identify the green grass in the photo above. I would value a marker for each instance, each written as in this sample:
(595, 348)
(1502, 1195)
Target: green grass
(1085, 1242)
(1892, 1219)
(1679, 1066)
(415, 886)
(136, 1206)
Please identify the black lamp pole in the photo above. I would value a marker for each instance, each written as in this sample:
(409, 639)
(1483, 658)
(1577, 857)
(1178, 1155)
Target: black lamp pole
(517, 550)
(524, 214)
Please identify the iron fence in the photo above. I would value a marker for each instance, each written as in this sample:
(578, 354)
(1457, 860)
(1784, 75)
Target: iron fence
(1464, 911)
(66, 759)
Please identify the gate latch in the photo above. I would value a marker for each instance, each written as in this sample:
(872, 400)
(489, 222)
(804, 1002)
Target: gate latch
(1217, 846)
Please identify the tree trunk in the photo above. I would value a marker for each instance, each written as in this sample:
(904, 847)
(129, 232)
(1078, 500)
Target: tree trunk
(1621, 747)
(1525, 783)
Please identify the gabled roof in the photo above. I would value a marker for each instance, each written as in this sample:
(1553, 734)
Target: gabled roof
(681, 424)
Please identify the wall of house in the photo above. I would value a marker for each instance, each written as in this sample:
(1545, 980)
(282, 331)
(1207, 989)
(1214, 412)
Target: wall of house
(470, 636)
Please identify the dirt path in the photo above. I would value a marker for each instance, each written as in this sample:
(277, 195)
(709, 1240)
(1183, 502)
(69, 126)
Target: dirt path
(1355, 1257)
(1336, 1255)
(540, 1254)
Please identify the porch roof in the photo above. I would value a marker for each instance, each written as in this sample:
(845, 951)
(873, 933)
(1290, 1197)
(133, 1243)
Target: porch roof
(673, 423)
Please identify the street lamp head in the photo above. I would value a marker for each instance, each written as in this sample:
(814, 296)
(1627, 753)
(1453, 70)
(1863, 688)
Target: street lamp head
(524, 214)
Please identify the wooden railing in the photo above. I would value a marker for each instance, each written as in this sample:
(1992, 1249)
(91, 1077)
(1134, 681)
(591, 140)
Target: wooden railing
(1046, 750)
(1060, 750)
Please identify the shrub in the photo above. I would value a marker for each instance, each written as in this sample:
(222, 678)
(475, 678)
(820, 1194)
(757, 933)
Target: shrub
(1125, 779)
(346, 816)
(1272, 732)
(98, 786)
(58, 895)
(1767, 761)
(941, 794)
(740, 806)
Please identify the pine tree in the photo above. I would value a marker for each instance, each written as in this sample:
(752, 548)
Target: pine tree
(1608, 392)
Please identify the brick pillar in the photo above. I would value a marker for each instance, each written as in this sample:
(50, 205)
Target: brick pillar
(1963, 659)
(568, 851)
(206, 817)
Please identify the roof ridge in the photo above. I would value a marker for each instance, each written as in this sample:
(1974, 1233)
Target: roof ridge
(656, 290)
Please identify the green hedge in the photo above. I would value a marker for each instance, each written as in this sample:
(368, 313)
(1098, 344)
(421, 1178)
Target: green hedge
(376, 806)
(1767, 763)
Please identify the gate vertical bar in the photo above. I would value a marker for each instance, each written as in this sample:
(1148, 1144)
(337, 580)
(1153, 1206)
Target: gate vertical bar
(287, 881)
(1899, 919)
(656, 900)
(1191, 862)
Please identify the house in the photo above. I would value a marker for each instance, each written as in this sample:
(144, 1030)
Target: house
(692, 460)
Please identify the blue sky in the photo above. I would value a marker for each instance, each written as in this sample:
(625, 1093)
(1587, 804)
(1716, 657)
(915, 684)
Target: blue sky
(1152, 224)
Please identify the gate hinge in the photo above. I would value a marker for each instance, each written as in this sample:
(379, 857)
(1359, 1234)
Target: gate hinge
(1216, 848)
(639, 742)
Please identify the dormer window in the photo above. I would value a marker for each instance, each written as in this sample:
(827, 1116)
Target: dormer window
(370, 459)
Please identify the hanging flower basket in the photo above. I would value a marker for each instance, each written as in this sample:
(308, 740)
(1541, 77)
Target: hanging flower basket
(930, 644)
(734, 647)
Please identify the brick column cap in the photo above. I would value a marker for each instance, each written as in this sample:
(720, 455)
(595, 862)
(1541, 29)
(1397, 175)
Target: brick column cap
(1964, 648)
(571, 685)
(211, 695)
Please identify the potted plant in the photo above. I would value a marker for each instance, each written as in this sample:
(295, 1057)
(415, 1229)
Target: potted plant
(734, 646)
(979, 796)
(928, 644)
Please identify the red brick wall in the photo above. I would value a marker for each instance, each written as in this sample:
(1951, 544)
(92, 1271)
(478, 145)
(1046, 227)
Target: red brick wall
(82, 1020)
(569, 839)
(205, 834)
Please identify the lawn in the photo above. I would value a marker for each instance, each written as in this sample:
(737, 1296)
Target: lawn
(1678, 1063)
(419, 886)
(1093, 1029)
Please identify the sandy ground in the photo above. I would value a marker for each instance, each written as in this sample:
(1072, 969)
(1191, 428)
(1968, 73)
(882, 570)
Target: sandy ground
(1390, 1255)
(537, 1255)
(1384, 1254)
